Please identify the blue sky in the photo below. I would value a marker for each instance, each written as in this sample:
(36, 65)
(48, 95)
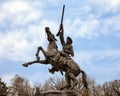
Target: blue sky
(94, 26)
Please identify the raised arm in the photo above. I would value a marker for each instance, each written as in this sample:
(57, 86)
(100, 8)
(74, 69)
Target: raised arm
(62, 35)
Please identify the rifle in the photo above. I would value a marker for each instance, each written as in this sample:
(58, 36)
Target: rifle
(61, 20)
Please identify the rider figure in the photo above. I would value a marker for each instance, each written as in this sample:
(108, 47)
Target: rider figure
(67, 46)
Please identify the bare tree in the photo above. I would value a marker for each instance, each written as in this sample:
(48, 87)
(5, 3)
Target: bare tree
(38, 88)
(54, 83)
(20, 86)
(3, 88)
(112, 88)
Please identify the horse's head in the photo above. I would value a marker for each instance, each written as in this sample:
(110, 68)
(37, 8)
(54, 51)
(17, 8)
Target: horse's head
(50, 36)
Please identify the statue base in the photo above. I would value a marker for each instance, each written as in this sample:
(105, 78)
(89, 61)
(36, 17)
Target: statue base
(58, 93)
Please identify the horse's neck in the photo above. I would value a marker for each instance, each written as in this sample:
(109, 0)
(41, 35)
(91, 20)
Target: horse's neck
(52, 45)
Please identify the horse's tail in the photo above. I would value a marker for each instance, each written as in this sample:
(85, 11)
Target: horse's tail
(84, 78)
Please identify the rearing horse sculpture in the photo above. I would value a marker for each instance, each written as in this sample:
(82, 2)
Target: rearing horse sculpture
(53, 57)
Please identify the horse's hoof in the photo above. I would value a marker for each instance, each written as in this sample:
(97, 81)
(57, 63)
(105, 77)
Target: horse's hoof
(25, 65)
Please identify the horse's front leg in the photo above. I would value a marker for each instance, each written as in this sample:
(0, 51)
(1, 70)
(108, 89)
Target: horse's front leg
(46, 54)
(35, 61)
(37, 53)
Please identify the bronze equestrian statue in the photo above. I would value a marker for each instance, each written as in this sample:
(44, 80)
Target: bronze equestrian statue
(55, 58)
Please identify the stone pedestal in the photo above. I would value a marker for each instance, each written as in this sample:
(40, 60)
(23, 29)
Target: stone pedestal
(58, 93)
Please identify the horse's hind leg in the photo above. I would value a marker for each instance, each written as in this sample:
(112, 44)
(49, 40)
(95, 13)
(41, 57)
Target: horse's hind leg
(29, 63)
(73, 78)
(68, 81)
(37, 54)
(70, 76)
(35, 61)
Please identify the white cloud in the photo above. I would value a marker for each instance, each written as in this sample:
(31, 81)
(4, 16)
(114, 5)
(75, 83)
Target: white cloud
(7, 78)
(15, 6)
(83, 58)
(54, 1)
(101, 65)
(106, 5)
(96, 20)
(18, 44)
(84, 29)
(112, 53)
(96, 55)
(93, 27)
(19, 12)
(21, 44)
(20, 39)
(111, 25)
(88, 59)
